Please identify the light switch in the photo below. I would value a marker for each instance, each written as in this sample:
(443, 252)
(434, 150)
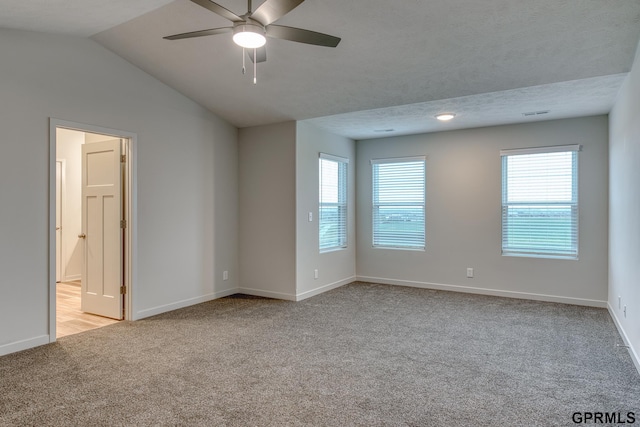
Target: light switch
(310, 216)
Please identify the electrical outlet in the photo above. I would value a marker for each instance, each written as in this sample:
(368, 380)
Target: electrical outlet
(625, 311)
(310, 216)
(469, 272)
(315, 273)
(619, 302)
(225, 275)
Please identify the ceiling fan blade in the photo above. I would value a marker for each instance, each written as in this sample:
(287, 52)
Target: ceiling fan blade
(261, 53)
(302, 36)
(272, 10)
(201, 33)
(216, 8)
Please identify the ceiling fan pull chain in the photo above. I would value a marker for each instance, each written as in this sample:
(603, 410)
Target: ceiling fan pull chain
(244, 69)
(255, 66)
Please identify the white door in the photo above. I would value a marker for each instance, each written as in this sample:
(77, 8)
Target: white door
(58, 220)
(101, 231)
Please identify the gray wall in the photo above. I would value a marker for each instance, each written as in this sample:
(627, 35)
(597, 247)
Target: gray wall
(187, 209)
(624, 209)
(335, 268)
(267, 157)
(463, 224)
(198, 210)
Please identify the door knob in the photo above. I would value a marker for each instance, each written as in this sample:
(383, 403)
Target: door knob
(82, 236)
(58, 228)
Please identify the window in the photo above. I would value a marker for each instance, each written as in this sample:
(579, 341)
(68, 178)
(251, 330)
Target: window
(333, 202)
(399, 203)
(540, 202)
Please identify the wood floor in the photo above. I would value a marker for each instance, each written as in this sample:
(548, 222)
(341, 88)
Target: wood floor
(69, 319)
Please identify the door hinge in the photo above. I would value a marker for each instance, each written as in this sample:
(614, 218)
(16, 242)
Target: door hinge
(123, 290)
(123, 158)
(123, 223)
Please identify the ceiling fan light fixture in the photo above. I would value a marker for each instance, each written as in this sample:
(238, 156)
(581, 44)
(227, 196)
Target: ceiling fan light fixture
(445, 117)
(249, 36)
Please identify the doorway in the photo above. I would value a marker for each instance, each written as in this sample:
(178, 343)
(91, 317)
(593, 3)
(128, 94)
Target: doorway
(91, 227)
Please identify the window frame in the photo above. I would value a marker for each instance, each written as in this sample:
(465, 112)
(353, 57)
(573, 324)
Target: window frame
(536, 251)
(376, 204)
(342, 204)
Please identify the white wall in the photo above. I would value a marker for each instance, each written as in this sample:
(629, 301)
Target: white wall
(335, 268)
(69, 146)
(267, 185)
(463, 225)
(624, 209)
(186, 178)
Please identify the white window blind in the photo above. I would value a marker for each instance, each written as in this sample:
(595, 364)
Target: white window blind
(399, 203)
(540, 202)
(332, 217)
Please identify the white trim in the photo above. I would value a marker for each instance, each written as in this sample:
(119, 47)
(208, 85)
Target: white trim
(399, 160)
(635, 358)
(131, 234)
(148, 312)
(325, 288)
(63, 212)
(540, 150)
(401, 248)
(24, 344)
(539, 255)
(51, 259)
(72, 278)
(484, 291)
(333, 158)
(266, 294)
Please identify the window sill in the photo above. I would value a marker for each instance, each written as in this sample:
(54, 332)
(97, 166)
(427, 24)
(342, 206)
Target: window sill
(393, 248)
(540, 256)
(327, 251)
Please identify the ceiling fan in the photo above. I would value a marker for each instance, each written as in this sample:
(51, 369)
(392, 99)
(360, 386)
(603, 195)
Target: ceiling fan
(251, 29)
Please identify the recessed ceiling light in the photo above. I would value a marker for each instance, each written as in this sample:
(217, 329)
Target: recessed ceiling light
(445, 117)
(535, 113)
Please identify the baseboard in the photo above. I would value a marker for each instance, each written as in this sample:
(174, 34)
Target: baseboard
(266, 294)
(483, 291)
(72, 278)
(324, 288)
(23, 345)
(625, 338)
(148, 312)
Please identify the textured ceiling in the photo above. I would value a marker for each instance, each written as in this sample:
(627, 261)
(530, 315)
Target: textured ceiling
(398, 62)
(562, 100)
(73, 17)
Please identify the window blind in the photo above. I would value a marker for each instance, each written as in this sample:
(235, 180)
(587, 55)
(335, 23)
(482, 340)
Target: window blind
(540, 202)
(332, 216)
(399, 203)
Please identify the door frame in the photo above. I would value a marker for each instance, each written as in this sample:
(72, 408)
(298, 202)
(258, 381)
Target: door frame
(63, 208)
(130, 238)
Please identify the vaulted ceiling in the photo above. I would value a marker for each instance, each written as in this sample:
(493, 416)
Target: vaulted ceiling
(398, 64)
